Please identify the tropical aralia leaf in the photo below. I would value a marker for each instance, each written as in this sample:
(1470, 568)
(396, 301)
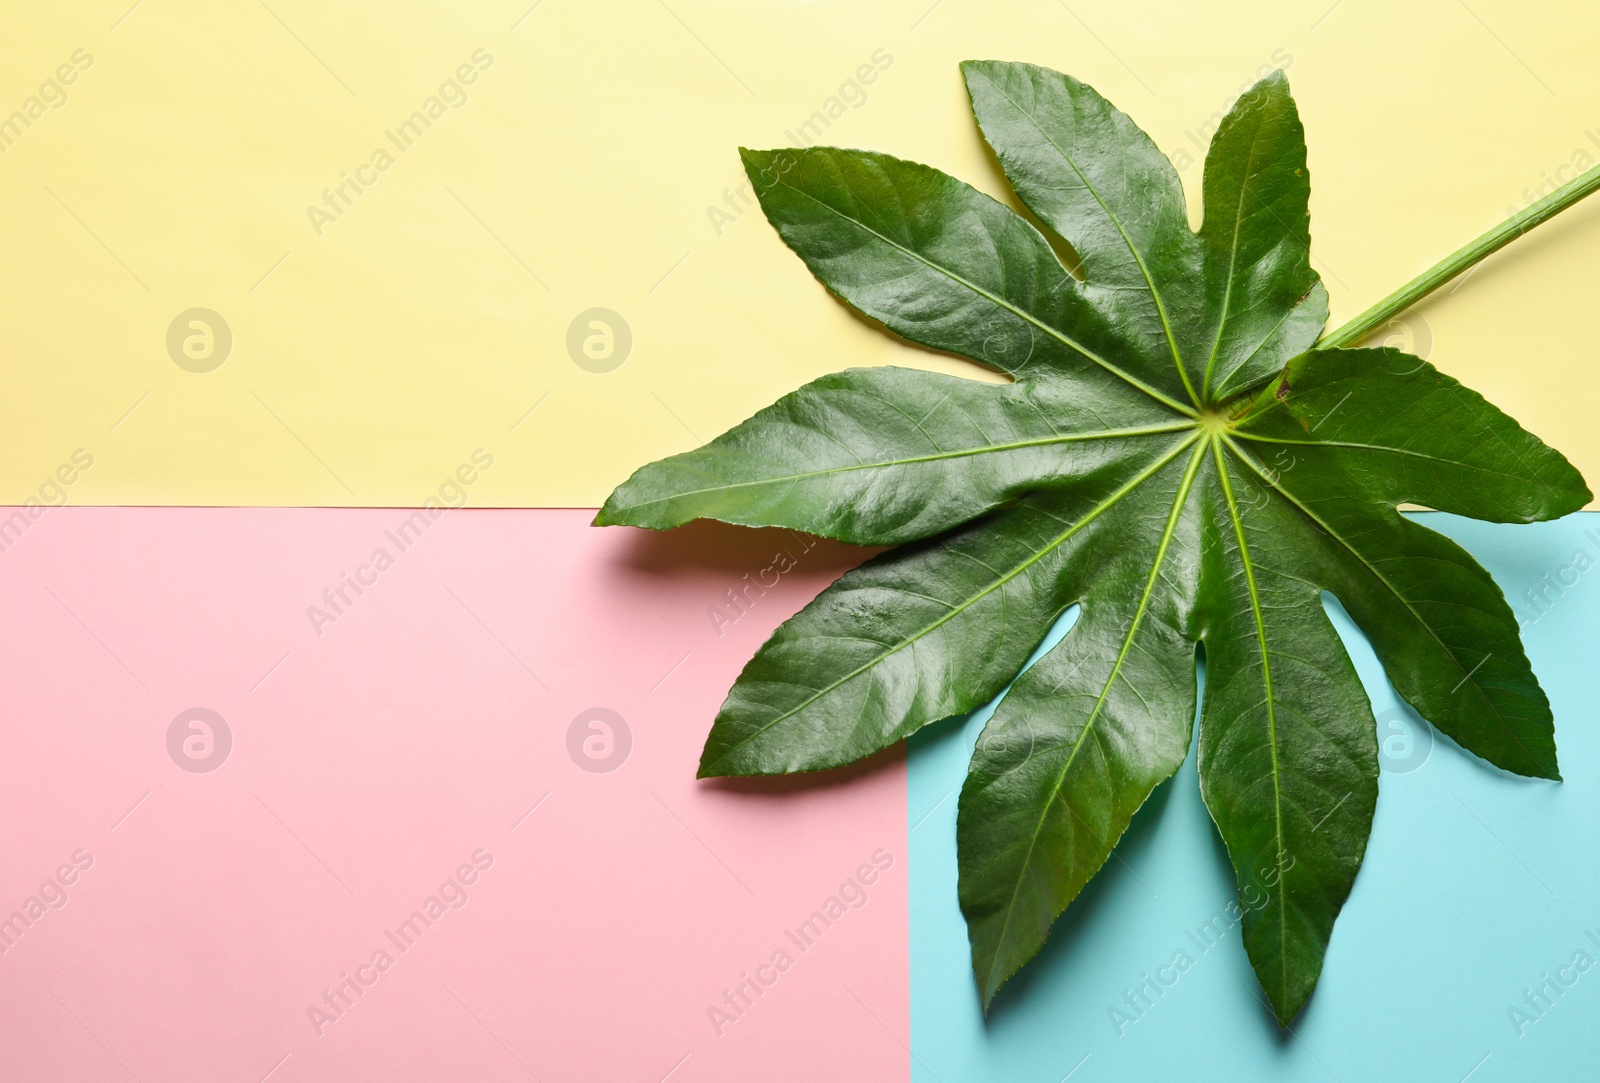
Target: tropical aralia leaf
(1173, 455)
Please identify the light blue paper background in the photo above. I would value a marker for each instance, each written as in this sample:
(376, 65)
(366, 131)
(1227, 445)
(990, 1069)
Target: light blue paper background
(1477, 885)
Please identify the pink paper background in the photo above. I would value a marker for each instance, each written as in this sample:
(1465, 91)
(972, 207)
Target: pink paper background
(369, 762)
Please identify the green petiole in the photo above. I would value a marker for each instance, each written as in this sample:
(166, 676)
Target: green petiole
(1357, 330)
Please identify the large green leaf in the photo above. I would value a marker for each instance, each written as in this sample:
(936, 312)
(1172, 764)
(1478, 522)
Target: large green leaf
(1175, 457)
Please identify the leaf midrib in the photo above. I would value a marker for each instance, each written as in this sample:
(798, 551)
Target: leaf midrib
(1116, 220)
(1233, 257)
(1289, 314)
(1272, 718)
(1059, 336)
(1094, 513)
(1392, 589)
(1116, 668)
(886, 464)
(1355, 446)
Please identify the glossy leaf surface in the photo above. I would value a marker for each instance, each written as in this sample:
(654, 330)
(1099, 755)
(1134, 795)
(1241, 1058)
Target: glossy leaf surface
(1173, 455)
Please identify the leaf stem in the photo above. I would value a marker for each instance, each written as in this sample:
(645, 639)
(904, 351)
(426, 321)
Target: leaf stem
(1403, 298)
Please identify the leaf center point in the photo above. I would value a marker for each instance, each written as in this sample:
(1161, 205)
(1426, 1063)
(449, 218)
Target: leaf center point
(1214, 422)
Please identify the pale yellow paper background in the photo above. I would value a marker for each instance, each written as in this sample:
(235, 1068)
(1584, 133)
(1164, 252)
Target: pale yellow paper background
(371, 361)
